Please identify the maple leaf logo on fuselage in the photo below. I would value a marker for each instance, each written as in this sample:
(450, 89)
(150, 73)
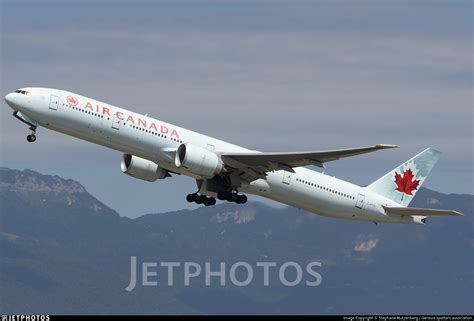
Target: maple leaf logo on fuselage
(406, 184)
(72, 100)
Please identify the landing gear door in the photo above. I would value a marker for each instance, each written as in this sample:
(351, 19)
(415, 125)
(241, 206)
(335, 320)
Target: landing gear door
(360, 201)
(286, 177)
(54, 102)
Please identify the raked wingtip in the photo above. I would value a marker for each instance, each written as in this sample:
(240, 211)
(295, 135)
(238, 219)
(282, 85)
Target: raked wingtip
(386, 146)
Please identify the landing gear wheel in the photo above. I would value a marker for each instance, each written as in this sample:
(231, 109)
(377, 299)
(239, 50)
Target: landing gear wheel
(191, 198)
(242, 199)
(199, 199)
(234, 198)
(222, 196)
(31, 138)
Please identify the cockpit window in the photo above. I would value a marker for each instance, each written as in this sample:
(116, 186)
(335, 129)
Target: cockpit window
(23, 92)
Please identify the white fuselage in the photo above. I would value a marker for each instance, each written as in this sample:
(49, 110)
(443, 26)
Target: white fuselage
(155, 140)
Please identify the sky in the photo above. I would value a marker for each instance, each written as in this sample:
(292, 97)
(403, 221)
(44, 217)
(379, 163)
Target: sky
(268, 75)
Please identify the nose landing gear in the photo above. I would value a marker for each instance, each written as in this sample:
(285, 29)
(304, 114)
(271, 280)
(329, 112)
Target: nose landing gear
(26, 120)
(32, 137)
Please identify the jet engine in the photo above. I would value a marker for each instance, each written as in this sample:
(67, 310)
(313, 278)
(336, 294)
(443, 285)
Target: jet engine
(198, 161)
(142, 168)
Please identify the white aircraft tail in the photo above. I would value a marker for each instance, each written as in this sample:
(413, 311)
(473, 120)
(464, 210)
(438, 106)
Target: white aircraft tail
(402, 183)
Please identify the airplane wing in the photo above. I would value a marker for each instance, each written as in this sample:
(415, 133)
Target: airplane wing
(420, 211)
(256, 164)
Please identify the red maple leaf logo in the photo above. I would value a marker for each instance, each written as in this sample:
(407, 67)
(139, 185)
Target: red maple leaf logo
(406, 184)
(72, 100)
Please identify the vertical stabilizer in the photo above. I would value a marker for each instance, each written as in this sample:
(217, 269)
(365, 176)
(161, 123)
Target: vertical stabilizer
(402, 183)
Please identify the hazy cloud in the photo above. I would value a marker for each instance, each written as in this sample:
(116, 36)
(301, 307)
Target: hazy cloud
(366, 246)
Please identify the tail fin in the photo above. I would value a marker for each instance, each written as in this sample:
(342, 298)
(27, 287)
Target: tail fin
(402, 183)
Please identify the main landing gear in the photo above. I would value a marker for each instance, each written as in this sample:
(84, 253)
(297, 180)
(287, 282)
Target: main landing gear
(201, 199)
(223, 196)
(232, 197)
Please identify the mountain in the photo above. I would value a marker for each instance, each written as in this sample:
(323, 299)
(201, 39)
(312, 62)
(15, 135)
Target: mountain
(63, 251)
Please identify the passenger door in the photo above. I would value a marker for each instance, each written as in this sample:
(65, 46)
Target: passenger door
(54, 102)
(115, 122)
(360, 201)
(286, 177)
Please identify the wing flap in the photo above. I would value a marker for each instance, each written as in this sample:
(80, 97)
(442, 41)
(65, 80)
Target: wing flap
(413, 211)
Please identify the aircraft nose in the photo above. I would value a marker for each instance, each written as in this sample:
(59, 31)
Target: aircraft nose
(9, 99)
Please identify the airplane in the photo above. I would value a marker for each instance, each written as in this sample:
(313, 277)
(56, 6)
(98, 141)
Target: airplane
(153, 149)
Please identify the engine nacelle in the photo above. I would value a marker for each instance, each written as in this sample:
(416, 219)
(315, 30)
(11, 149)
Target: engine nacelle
(198, 161)
(142, 168)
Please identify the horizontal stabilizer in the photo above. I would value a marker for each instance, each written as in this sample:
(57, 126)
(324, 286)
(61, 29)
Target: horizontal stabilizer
(412, 211)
